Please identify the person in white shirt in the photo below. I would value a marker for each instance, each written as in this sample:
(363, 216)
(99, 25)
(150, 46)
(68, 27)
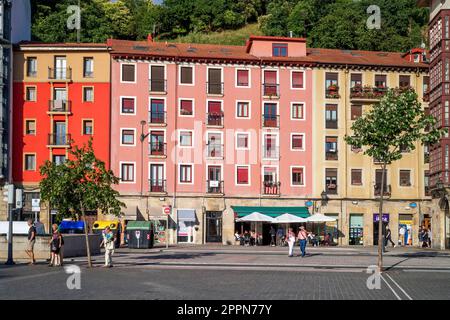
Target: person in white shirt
(291, 241)
(402, 235)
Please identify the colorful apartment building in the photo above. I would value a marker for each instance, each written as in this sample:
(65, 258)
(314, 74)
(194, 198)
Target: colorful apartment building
(61, 98)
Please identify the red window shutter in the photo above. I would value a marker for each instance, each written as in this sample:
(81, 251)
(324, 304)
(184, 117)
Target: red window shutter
(214, 107)
(297, 80)
(127, 105)
(242, 175)
(270, 77)
(297, 141)
(242, 77)
(186, 106)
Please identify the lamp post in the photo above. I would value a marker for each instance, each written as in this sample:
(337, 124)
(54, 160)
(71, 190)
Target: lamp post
(324, 198)
(142, 139)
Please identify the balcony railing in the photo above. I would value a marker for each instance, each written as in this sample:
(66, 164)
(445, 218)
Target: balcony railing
(332, 92)
(214, 119)
(158, 118)
(271, 152)
(158, 149)
(63, 106)
(331, 188)
(331, 155)
(270, 121)
(157, 85)
(331, 124)
(59, 139)
(214, 150)
(377, 190)
(367, 92)
(214, 187)
(64, 74)
(271, 90)
(158, 185)
(214, 88)
(271, 188)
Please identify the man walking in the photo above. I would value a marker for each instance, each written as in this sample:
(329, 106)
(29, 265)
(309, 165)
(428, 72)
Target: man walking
(31, 241)
(108, 243)
(302, 237)
(388, 238)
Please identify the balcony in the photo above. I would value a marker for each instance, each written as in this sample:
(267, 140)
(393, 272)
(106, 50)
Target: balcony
(60, 74)
(214, 119)
(158, 86)
(270, 121)
(271, 90)
(332, 92)
(214, 150)
(271, 152)
(331, 188)
(158, 149)
(157, 118)
(377, 190)
(59, 140)
(157, 186)
(213, 88)
(331, 155)
(214, 187)
(367, 93)
(271, 188)
(60, 106)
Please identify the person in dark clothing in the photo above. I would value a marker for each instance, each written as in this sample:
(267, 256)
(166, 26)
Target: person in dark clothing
(388, 238)
(31, 241)
(273, 236)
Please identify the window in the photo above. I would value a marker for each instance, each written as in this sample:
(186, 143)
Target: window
(331, 152)
(127, 137)
(242, 140)
(128, 73)
(331, 86)
(88, 94)
(186, 138)
(88, 67)
(30, 162)
(297, 142)
(356, 81)
(157, 79)
(58, 160)
(215, 81)
(185, 173)
(31, 66)
(242, 78)
(404, 81)
(405, 178)
(30, 127)
(355, 112)
(378, 178)
(297, 177)
(380, 81)
(426, 182)
(331, 116)
(243, 110)
(242, 175)
(297, 111)
(186, 108)
(356, 177)
(331, 181)
(88, 127)
(157, 111)
(30, 94)
(297, 79)
(186, 75)
(215, 113)
(128, 105)
(426, 84)
(280, 49)
(157, 143)
(127, 172)
(214, 145)
(270, 85)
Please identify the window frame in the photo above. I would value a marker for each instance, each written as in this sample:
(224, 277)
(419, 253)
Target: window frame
(191, 165)
(249, 111)
(135, 72)
(193, 74)
(291, 176)
(83, 121)
(121, 164)
(84, 94)
(193, 107)
(292, 134)
(292, 109)
(179, 138)
(236, 166)
(236, 83)
(292, 79)
(134, 98)
(25, 127)
(25, 155)
(122, 135)
(248, 140)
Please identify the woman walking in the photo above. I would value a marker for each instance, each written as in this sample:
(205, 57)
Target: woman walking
(55, 246)
(291, 242)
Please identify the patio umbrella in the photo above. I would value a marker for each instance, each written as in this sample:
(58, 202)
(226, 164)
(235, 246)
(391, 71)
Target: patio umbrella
(318, 217)
(256, 217)
(289, 218)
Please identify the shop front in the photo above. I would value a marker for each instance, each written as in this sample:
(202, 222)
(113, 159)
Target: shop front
(405, 229)
(186, 225)
(356, 230)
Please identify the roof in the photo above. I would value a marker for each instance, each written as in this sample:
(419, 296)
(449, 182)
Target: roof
(271, 211)
(34, 45)
(220, 53)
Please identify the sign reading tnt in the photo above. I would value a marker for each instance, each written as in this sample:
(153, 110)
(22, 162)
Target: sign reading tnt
(167, 209)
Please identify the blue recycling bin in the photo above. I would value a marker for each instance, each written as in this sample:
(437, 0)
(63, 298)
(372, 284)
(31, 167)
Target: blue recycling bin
(72, 227)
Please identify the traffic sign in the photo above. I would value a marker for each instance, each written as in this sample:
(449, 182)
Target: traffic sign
(167, 209)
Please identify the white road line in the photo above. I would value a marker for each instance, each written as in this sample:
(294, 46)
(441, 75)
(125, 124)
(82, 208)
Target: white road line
(393, 291)
(404, 292)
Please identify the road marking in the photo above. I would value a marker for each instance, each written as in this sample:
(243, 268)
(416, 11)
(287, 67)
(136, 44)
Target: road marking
(404, 292)
(393, 291)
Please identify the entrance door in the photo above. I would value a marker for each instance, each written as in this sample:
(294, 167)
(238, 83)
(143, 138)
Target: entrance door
(157, 178)
(214, 226)
(60, 68)
(376, 219)
(214, 179)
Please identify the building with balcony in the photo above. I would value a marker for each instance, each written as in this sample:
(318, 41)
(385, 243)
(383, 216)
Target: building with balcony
(61, 99)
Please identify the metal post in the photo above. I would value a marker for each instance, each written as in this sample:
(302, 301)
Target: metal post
(10, 260)
(167, 231)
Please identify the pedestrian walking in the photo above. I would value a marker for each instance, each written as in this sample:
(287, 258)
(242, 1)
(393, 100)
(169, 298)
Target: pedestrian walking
(388, 238)
(280, 236)
(55, 246)
(291, 242)
(273, 236)
(424, 238)
(108, 243)
(302, 237)
(31, 241)
(420, 235)
(429, 236)
(402, 232)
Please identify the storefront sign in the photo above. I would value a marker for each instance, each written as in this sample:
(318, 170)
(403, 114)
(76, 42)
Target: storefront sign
(413, 205)
(376, 217)
(308, 203)
(35, 205)
(213, 184)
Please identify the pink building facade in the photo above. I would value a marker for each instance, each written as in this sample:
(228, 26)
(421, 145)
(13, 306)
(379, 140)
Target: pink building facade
(205, 129)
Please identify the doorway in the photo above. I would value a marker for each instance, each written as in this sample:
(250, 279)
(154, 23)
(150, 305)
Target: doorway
(214, 226)
(376, 221)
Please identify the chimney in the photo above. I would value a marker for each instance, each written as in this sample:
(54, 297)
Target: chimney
(109, 42)
(149, 38)
(291, 34)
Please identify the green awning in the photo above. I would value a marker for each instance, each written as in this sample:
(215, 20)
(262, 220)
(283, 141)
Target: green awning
(139, 225)
(271, 211)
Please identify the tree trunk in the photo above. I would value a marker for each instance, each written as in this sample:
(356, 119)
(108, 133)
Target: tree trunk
(380, 223)
(88, 249)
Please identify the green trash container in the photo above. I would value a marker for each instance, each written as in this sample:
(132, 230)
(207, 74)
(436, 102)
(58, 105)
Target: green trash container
(140, 234)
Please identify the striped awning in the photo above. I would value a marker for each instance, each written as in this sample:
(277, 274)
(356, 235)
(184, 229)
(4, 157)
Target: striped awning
(271, 211)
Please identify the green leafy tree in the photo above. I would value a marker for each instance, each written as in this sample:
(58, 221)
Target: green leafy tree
(82, 183)
(398, 121)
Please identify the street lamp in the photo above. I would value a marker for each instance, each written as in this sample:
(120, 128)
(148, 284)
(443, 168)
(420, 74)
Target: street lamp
(324, 197)
(142, 139)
